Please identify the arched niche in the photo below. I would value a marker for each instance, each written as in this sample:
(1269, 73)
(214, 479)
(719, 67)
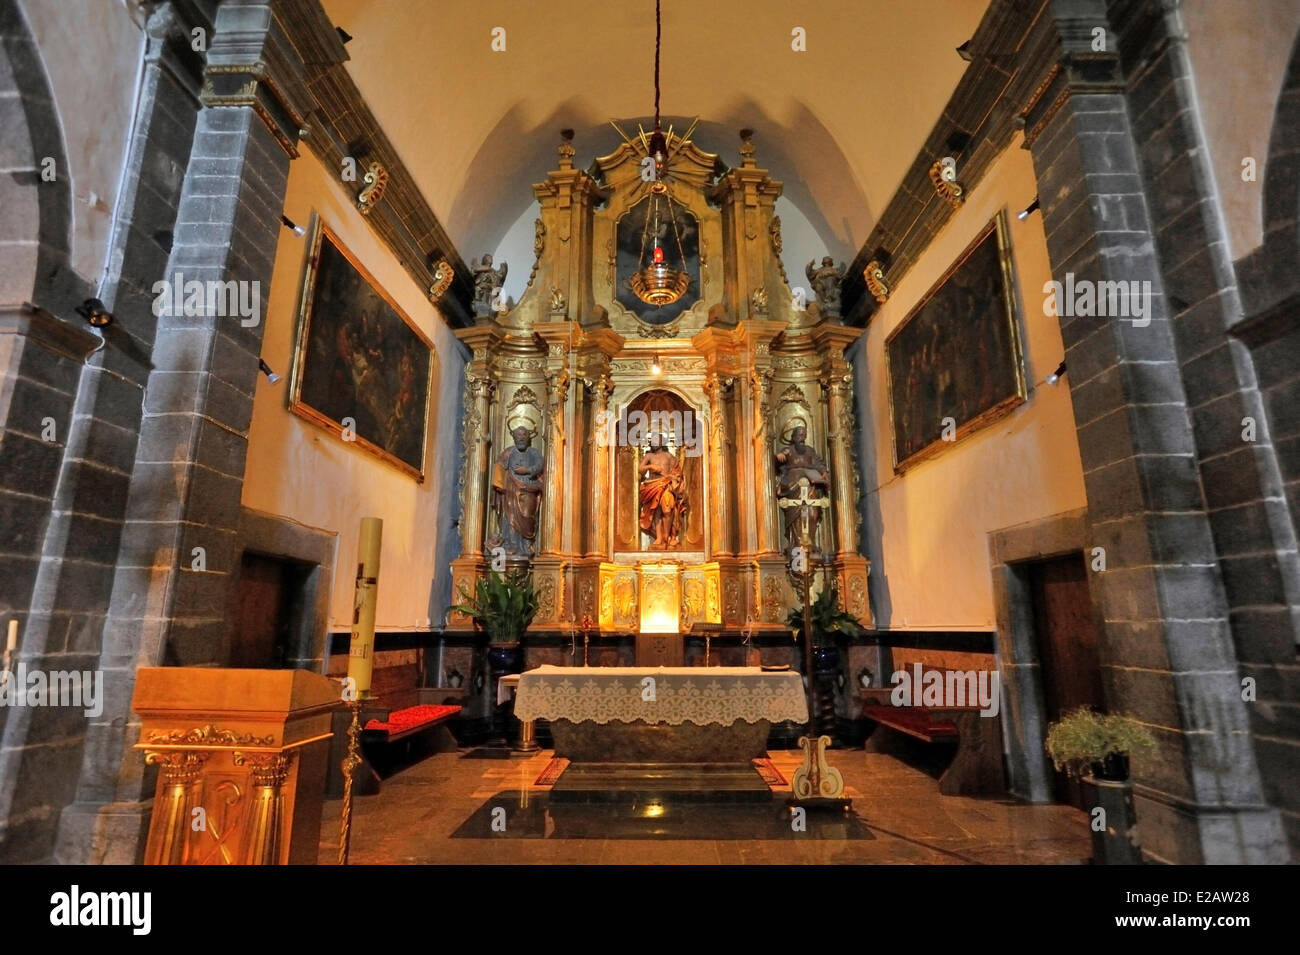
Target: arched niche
(658, 409)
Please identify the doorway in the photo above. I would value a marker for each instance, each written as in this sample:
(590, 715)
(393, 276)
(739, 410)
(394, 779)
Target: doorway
(1066, 636)
(270, 601)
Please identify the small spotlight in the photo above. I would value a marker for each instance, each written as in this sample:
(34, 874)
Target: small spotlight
(344, 36)
(1028, 210)
(1055, 376)
(964, 52)
(296, 229)
(271, 376)
(94, 312)
(655, 369)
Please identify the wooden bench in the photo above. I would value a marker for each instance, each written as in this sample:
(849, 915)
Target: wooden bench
(976, 766)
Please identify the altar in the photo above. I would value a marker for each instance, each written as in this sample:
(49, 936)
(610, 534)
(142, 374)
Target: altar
(660, 729)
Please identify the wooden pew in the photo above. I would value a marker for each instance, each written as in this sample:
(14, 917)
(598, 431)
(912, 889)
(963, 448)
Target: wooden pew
(976, 768)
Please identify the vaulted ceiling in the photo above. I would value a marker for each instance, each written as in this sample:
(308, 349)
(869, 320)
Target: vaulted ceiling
(838, 124)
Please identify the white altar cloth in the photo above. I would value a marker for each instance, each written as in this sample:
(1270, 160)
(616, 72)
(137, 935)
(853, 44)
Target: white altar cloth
(675, 695)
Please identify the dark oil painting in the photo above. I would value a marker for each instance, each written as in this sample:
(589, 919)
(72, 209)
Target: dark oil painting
(361, 368)
(957, 355)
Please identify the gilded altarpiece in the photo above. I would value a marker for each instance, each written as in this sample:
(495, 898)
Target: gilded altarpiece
(741, 366)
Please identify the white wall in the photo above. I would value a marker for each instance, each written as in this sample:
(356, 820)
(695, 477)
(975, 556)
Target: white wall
(300, 471)
(92, 51)
(1239, 51)
(926, 530)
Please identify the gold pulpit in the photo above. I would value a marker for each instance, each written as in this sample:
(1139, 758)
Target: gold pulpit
(241, 756)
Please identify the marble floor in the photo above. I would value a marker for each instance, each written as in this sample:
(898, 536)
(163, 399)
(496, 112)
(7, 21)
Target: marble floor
(443, 810)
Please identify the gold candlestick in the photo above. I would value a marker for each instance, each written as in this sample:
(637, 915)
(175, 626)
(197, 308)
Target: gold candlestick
(350, 763)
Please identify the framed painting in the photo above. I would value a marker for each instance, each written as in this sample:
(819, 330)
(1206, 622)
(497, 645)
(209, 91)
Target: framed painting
(954, 364)
(361, 369)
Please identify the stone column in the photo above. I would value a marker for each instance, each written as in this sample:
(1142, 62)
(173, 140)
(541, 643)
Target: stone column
(476, 464)
(557, 388)
(837, 385)
(177, 560)
(719, 466)
(760, 384)
(601, 456)
(1167, 646)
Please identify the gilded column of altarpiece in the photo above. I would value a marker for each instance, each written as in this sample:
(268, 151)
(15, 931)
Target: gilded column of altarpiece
(738, 357)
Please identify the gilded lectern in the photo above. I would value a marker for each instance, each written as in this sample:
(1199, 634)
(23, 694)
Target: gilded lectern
(241, 756)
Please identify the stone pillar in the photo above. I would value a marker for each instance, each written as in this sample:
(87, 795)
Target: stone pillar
(176, 563)
(837, 385)
(477, 461)
(1167, 651)
(768, 540)
(601, 457)
(714, 386)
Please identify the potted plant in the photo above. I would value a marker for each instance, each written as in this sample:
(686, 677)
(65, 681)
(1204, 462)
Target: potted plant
(502, 606)
(1102, 743)
(1099, 742)
(828, 621)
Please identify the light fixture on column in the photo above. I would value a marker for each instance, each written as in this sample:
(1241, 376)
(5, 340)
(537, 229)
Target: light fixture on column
(655, 368)
(1055, 376)
(1028, 210)
(94, 312)
(271, 376)
(297, 230)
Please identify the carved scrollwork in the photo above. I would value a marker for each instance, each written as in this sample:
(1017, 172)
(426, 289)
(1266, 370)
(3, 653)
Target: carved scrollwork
(376, 180)
(207, 735)
(874, 276)
(944, 176)
(539, 245)
(443, 274)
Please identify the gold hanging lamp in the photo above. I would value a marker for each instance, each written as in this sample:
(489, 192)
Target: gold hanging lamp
(658, 280)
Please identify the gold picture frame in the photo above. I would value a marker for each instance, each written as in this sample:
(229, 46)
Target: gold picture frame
(960, 314)
(358, 355)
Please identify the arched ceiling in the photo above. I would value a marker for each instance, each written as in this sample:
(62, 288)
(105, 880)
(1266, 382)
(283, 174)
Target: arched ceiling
(838, 124)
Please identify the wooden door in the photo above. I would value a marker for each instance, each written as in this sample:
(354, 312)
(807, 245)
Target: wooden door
(1069, 662)
(261, 625)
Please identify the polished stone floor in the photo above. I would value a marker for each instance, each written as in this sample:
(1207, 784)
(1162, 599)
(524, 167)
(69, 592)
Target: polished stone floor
(450, 809)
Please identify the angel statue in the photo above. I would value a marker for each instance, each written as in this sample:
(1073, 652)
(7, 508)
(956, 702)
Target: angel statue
(487, 282)
(826, 281)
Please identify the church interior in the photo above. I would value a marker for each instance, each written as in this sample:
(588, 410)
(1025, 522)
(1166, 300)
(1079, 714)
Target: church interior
(650, 432)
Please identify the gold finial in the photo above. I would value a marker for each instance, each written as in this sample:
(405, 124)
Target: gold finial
(565, 149)
(747, 147)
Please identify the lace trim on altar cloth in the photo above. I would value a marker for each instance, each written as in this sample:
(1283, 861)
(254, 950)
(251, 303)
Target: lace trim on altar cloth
(670, 698)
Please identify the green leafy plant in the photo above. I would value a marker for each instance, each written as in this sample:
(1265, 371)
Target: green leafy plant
(1083, 738)
(827, 619)
(502, 606)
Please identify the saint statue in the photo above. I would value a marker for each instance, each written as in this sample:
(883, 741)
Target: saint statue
(516, 491)
(663, 495)
(486, 281)
(826, 282)
(802, 487)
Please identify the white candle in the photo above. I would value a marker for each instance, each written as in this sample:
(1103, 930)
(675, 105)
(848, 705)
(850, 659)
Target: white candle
(12, 645)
